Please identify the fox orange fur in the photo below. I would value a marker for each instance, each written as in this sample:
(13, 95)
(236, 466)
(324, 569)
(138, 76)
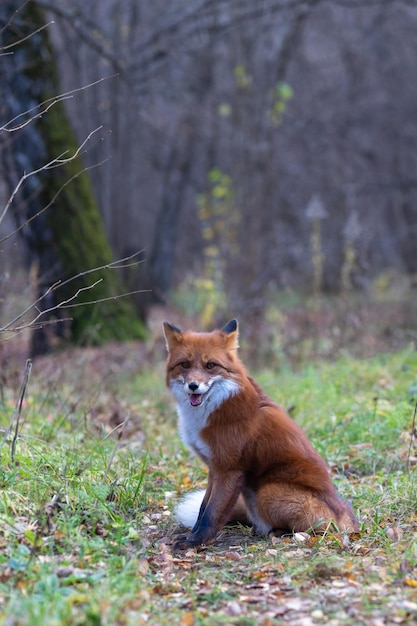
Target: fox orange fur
(262, 468)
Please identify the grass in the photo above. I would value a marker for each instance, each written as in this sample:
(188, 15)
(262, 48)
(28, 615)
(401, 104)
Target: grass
(86, 506)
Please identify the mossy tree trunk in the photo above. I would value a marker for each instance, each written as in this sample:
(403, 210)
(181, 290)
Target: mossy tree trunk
(68, 238)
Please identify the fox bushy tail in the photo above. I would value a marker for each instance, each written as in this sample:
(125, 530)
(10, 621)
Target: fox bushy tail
(187, 509)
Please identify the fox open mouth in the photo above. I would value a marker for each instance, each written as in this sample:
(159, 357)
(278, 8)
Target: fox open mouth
(196, 399)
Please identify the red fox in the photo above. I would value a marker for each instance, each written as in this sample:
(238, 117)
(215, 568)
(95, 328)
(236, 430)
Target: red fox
(263, 471)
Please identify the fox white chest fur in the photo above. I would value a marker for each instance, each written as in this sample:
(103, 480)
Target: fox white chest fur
(192, 417)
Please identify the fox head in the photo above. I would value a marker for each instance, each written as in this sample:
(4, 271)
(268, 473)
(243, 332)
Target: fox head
(202, 368)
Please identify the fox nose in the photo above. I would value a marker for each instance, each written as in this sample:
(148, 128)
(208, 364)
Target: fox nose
(193, 386)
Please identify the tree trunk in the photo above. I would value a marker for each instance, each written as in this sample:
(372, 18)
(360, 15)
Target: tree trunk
(67, 239)
(175, 178)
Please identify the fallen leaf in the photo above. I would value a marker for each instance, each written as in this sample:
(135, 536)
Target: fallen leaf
(187, 619)
(394, 533)
(143, 567)
(234, 608)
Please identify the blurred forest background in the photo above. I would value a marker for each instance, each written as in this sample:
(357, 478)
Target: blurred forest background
(247, 148)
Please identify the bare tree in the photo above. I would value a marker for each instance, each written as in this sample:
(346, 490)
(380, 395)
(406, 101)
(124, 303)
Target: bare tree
(51, 199)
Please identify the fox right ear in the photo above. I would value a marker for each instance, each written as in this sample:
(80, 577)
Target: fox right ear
(172, 335)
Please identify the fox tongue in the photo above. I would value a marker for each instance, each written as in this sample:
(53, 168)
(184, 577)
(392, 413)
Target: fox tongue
(196, 398)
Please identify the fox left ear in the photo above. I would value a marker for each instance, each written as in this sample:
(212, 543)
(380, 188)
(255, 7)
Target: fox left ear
(230, 327)
(232, 330)
(172, 335)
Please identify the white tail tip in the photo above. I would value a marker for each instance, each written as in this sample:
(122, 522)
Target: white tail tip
(187, 509)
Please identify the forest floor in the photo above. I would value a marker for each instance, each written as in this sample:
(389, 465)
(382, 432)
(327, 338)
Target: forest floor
(92, 467)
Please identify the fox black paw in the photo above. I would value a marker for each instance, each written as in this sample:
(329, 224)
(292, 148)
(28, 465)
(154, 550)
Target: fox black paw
(184, 542)
(279, 532)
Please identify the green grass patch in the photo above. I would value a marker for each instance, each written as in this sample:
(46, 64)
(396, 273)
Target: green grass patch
(86, 507)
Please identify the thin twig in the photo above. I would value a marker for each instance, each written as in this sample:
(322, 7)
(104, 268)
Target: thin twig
(63, 303)
(99, 300)
(22, 39)
(47, 104)
(50, 203)
(9, 325)
(56, 162)
(125, 262)
(12, 333)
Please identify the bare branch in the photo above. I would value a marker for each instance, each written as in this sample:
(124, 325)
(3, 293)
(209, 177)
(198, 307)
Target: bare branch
(98, 301)
(15, 332)
(11, 326)
(56, 162)
(16, 43)
(47, 206)
(44, 106)
(112, 265)
(84, 29)
(63, 302)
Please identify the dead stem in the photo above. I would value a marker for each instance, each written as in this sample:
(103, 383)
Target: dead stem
(17, 412)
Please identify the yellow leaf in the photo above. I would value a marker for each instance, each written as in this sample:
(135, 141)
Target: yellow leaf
(410, 582)
(187, 619)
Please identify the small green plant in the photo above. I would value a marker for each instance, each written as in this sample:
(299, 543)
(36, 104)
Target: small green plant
(351, 234)
(204, 294)
(282, 95)
(316, 213)
(243, 79)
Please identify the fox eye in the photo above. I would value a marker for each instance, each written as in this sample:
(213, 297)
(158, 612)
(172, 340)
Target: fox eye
(210, 365)
(185, 365)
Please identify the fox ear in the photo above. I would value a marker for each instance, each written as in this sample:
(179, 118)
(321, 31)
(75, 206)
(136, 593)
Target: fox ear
(172, 335)
(230, 327)
(232, 331)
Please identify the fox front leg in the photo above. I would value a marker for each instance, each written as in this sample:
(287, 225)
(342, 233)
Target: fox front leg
(181, 541)
(214, 512)
(204, 502)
